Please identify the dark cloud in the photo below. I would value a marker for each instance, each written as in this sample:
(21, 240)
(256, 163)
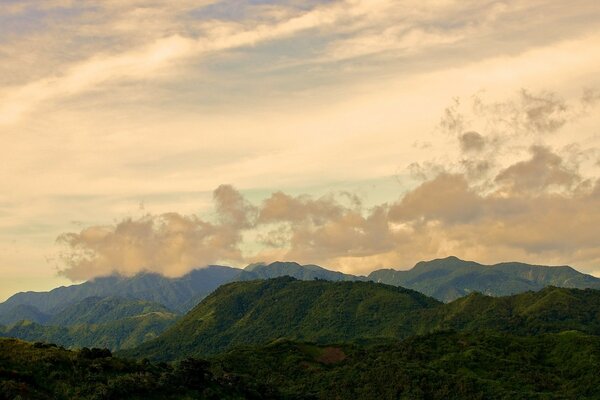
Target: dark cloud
(543, 112)
(471, 141)
(544, 170)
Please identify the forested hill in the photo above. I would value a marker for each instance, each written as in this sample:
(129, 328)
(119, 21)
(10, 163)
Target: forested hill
(257, 312)
(449, 278)
(263, 310)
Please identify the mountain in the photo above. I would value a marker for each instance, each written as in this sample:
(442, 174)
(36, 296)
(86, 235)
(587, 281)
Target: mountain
(115, 335)
(173, 293)
(263, 310)
(96, 310)
(450, 278)
(19, 312)
(549, 310)
(112, 322)
(295, 270)
(256, 312)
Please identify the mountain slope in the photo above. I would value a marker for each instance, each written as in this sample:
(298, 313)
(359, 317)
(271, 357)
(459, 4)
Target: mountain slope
(255, 312)
(450, 278)
(174, 293)
(42, 371)
(21, 312)
(549, 310)
(111, 322)
(295, 270)
(95, 310)
(115, 335)
(260, 311)
(440, 366)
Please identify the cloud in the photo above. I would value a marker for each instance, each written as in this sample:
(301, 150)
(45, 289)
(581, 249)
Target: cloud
(498, 199)
(471, 141)
(169, 243)
(545, 170)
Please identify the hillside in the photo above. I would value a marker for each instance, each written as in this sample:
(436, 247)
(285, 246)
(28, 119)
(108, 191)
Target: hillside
(173, 293)
(549, 310)
(260, 311)
(115, 335)
(111, 322)
(256, 312)
(45, 372)
(295, 270)
(444, 279)
(22, 312)
(450, 278)
(440, 366)
(96, 310)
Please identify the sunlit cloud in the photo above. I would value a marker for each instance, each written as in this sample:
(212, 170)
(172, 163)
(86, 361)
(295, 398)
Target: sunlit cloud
(106, 105)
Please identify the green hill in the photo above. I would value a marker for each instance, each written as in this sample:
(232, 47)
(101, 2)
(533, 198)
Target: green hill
(21, 312)
(550, 310)
(260, 311)
(96, 310)
(302, 272)
(119, 334)
(450, 278)
(256, 312)
(111, 322)
(174, 293)
(440, 366)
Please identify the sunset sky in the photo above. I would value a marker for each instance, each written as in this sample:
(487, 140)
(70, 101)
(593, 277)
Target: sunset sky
(163, 136)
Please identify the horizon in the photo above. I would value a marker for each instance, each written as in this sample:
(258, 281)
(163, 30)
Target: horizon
(349, 133)
(241, 268)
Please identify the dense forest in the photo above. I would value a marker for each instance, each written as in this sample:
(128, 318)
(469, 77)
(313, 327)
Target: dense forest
(444, 365)
(285, 338)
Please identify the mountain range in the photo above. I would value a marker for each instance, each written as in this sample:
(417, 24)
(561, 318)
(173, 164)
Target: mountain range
(143, 306)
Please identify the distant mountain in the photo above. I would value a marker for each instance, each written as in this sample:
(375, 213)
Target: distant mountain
(114, 323)
(19, 312)
(256, 312)
(450, 278)
(295, 270)
(260, 311)
(97, 310)
(173, 293)
(444, 279)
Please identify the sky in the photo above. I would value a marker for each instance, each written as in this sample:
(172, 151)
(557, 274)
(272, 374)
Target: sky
(355, 134)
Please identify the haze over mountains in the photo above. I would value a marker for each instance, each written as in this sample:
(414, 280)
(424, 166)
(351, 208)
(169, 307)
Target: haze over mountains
(335, 312)
(444, 279)
(142, 307)
(264, 334)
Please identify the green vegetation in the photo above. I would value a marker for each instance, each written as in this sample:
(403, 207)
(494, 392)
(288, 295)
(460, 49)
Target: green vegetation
(43, 371)
(111, 322)
(258, 312)
(445, 365)
(295, 270)
(173, 293)
(97, 310)
(120, 334)
(450, 278)
(289, 339)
